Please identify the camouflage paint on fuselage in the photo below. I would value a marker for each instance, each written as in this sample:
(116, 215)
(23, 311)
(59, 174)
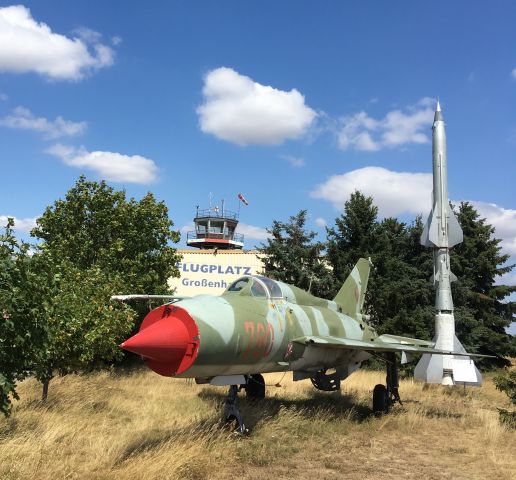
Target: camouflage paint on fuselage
(252, 327)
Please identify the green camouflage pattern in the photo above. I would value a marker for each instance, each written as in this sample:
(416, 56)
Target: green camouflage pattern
(245, 332)
(259, 325)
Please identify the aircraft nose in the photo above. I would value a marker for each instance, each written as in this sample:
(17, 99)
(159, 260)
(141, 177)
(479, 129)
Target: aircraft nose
(168, 340)
(164, 341)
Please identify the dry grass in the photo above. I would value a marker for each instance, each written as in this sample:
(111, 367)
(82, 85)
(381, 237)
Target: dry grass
(142, 426)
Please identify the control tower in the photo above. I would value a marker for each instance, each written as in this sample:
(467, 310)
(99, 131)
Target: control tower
(215, 228)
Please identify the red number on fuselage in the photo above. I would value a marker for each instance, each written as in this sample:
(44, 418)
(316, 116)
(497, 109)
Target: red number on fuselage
(259, 339)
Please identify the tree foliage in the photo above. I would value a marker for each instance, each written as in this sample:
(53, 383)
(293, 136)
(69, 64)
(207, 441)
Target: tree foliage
(507, 383)
(482, 315)
(398, 293)
(400, 298)
(292, 256)
(97, 243)
(96, 225)
(22, 329)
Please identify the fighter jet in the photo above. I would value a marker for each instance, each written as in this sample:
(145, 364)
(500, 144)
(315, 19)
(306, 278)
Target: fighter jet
(259, 325)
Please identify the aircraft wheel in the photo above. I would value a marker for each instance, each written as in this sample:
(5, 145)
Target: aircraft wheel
(255, 387)
(380, 399)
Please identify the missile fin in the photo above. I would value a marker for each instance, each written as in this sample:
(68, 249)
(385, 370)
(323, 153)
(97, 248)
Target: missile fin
(424, 240)
(455, 234)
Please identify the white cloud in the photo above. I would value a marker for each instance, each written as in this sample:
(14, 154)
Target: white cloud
(320, 222)
(252, 232)
(30, 46)
(398, 193)
(296, 162)
(242, 111)
(23, 119)
(3, 97)
(397, 128)
(189, 227)
(24, 225)
(112, 166)
(504, 221)
(116, 40)
(513, 73)
(394, 193)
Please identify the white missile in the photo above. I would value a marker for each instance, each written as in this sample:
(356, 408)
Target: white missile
(442, 231)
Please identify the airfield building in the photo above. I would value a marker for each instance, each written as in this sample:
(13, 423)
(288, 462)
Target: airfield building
(217, 256)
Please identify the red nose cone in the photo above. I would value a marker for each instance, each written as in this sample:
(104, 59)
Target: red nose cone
(164, 341)
(168, 340)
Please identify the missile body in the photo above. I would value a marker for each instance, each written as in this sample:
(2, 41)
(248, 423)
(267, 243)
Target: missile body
(442, 231)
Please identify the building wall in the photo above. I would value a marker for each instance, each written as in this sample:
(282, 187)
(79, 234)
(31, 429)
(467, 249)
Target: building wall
(210, 272)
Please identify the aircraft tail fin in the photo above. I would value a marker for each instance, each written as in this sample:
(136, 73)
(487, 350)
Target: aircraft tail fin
(351, 296)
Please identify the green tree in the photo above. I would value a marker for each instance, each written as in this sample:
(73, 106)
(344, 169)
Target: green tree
(22, 330)
(96, 225)
(292, 256)
(396, 291)
(482, 313)
(507, 384)
(402, 301)
(83, 328)
(352, 237)
(400, 298)
(99, 243)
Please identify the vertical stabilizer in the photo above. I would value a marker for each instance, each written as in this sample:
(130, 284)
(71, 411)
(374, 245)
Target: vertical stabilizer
(351, 296)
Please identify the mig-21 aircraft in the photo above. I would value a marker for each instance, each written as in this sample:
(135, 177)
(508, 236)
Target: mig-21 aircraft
(259, 325)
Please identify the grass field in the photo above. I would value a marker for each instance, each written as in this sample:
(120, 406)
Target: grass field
(142, 426)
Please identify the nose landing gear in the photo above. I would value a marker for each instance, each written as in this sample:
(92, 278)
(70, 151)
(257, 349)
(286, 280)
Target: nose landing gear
(255, 389)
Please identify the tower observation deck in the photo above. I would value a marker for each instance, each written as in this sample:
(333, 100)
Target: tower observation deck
(215, 228)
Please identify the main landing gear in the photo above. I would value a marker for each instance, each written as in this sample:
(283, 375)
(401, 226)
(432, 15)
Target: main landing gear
(385, 396)
(254, 388)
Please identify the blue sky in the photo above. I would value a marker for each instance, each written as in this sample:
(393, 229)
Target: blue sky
(294, 104)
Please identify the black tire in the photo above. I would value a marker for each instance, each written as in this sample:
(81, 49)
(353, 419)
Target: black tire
(255, 387)
(380, 399)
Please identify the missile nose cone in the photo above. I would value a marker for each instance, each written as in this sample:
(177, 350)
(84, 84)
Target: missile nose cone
(438, 116)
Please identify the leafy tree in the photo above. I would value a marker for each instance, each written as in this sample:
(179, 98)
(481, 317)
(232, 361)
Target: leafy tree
(97, 226)
(83, 327)
(98, 243)
(507, 384)
(22, 330)
(292, 256)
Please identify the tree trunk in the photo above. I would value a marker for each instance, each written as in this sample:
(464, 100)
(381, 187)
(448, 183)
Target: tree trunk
(44, 394)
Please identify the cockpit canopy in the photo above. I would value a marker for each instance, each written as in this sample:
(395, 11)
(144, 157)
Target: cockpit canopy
(256, 286)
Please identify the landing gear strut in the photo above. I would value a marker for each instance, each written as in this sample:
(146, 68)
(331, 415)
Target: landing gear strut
(385, 396)
(254, 388)
(231, 411)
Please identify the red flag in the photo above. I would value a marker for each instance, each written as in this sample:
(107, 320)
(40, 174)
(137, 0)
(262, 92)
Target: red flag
(242, 199)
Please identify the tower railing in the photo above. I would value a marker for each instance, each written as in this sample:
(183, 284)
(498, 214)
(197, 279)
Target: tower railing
(235, 237)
